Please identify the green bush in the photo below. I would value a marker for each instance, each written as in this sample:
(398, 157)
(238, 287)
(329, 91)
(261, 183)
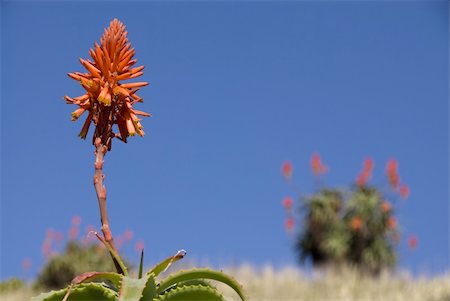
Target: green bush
(359, 230)
(11, 285)
(76, 259)
(354, 226)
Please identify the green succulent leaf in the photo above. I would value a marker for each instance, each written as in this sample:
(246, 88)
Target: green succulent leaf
(194, 274)
(141, 264)
(150, 288)
(164, 265)
(80, 292)
(132, 289)
(115, 278)
(191, 293)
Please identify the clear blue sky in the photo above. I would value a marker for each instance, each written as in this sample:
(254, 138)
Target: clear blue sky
(236, 89)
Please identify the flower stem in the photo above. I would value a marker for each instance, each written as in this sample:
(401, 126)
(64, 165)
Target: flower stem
(100, 151)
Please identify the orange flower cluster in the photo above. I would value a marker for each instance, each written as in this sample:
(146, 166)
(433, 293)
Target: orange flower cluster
(394, 178)
(366, 173)
(392, 173)
(356, 223)
(287, 203)
(289, 221)
(386, 207)
(412, 242)
(107, 100)
(287, 169)
(392, 222)
(50, 237)
(317, 166)
(289, 224)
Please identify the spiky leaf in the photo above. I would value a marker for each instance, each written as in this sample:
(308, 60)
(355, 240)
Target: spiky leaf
(193, 274)
(191, 293)
(115, 278)
(132, 289)
(80, 292)
(150, 288)
(164, 265)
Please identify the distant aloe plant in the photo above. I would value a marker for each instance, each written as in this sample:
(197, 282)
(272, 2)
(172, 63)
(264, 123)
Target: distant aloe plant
(109, 104)
(355, 226)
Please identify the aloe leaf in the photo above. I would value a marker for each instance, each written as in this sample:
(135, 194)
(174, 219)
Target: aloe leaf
(166, 263)
(141, 263)
(150, 288)
(115, 278)
(80, 292)
(191, 293)
(132, 289)
(182, 276)
(118, 262)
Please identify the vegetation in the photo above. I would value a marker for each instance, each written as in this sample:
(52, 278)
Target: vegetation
(291, 284)
(109, 104)
(354, 226)
(76, 259)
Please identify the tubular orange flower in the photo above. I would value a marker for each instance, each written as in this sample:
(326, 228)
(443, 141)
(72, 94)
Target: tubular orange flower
(289, 224)
(287, 169)
(108, 101)
(386, 206)
(366, 172)
(317, 166)
(392, 173)
(412, 242)
(392, 222)
(404, 191)
(356, 223)
(287, 203)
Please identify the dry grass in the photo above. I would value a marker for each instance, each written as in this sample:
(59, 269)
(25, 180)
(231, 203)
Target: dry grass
(290, 284)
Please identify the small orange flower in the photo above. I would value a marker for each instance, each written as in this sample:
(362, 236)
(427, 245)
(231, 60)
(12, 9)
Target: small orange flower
(317, 166)
(404, 191)
(412, 242)
(392, 173)
(392, 222)
(139, 246)
(366, 172)
(362, 179)
(76, 220)
(287, 169)
(289, 224)
(287, 203)
(108, 101)
(386, 206)
(356, 223)
(128, 235)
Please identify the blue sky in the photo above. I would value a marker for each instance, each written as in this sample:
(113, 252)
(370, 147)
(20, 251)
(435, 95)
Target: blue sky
(236, 89)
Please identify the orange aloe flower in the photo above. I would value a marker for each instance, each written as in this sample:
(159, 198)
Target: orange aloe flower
(366, 172)
(404, 191)
(392, 222)
(412, 242)
(287, 203)
(386, 207)
(107, 100)
(287, 169)
(392, 173)
(289, 224)
(356, 223)
(317, 166)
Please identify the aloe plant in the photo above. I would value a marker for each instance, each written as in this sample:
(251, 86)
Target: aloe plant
(109, 104)
(187, 285)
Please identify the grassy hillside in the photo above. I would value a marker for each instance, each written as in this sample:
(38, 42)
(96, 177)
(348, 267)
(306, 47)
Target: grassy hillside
(290, 284)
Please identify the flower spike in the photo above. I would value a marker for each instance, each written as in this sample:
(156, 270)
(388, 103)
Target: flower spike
(107, 100)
